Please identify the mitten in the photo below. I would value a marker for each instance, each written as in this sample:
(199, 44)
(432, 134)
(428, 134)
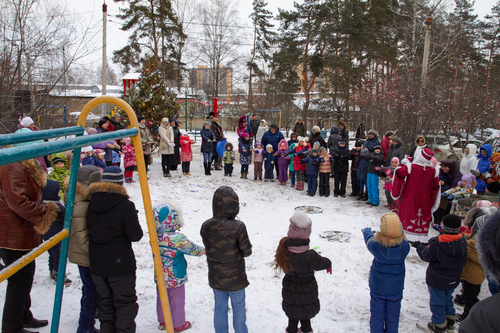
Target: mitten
(329, 270)
(172, 144)
(416, 244)
(378, 168)
(450, 197)
(444, 194)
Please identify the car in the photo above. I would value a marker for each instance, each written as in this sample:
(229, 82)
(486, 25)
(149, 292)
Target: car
(487, 133)
(442, 149)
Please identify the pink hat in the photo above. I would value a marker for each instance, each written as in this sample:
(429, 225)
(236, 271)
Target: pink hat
(483, 204)
(300, 226)
(395, 159)
(427, 153)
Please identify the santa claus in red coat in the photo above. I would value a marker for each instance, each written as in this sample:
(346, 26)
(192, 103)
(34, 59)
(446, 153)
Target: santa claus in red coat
(416, 184)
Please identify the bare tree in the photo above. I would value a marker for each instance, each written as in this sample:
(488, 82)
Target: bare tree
(221, 39)
(39, 43)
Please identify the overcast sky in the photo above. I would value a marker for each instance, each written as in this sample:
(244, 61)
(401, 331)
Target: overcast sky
(91, 12)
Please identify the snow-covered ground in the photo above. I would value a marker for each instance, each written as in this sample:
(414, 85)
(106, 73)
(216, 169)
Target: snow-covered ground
(265, 208)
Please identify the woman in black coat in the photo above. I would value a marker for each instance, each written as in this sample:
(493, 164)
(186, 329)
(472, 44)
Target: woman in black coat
(176, 157)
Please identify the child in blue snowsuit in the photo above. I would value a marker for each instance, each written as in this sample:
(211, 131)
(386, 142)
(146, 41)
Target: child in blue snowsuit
(269, 160)
(387, 274)
(375, 160)
(447, 255)
(312, 171)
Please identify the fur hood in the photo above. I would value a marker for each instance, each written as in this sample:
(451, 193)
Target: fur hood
(108, 188)
(37, 173)
(388, 241)
(489, 246)
(81, 189)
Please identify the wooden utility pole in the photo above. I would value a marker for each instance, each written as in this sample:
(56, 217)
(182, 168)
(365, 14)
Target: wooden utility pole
(427, 44)
(104, 59)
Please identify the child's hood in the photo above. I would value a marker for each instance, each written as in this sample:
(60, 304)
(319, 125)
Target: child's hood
(167, 219)
(109, 195)
(225, 203)
(283, 145)
(472, 149)
(59, 156)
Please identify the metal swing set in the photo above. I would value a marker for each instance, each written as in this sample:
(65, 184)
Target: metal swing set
(21, 153)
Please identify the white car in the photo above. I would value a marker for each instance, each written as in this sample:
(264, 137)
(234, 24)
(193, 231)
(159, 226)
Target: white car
(488, 134)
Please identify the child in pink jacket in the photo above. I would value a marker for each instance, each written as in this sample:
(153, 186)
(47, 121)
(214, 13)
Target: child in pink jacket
(129, 161)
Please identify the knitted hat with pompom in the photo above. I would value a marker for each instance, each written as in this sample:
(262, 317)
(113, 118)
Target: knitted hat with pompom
(300, 226)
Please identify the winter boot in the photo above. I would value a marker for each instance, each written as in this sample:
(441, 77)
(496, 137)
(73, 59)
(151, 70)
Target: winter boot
(182, 328)
(166, 173)
(437, 329)
(360, 196)
(242, 175)
(246, 175)
(207, 169)
(450, 323)
(365, 197)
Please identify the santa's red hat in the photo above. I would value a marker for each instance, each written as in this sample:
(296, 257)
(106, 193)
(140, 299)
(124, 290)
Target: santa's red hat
(427, 154)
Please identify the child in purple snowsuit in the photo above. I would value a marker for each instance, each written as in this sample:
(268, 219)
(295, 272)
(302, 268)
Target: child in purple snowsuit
(173, 246)
(282, 161)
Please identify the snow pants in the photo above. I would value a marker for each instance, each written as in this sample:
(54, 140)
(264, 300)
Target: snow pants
(228, 169)
(384, 312)
(117, 304)
(283, 174)
(340, 183)
(268, 174)
(257, 170)
(354, 183)
(441, 305)
(312, 184)
(324, 184)
(177, 302)
(372, 188)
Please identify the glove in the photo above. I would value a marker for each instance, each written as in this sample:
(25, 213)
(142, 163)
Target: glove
(450, 197)
(366, 229)
(436, 227)
(444, 194)
(171, 144)
(416, 244)
(329, 270)
(378, 168)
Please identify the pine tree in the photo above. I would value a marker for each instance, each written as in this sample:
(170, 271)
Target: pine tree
(262, 39)
(150, 98)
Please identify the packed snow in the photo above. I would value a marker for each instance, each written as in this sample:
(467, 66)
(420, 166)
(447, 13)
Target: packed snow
(265, 208)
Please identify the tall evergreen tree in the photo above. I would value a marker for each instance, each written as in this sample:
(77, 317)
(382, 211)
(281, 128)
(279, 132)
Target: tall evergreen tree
(262, 40)
(155, 32)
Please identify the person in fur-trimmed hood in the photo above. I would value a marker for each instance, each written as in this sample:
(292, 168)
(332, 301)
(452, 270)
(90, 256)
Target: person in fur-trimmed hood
(483, 317)
(387, 274)
(78, 251)
(24, 219)
(299, 263)
(113, 225)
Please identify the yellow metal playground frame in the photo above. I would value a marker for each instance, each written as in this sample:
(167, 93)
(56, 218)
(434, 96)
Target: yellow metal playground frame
(141, 167)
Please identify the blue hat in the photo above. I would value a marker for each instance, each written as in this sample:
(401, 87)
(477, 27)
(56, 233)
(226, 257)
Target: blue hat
(51, 190)
(112, 174)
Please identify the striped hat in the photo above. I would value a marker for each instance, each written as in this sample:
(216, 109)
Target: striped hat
(112, 174)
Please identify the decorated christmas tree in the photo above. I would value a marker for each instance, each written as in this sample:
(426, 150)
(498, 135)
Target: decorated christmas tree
(150, 98)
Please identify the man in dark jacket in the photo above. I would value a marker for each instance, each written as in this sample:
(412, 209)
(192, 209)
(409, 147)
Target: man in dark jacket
(113, 225)
(395, 149)
(446, 255)
(316, 137)
(372, 141)
(273, 138)
(24, 219)
(483, 316)
(226, 245)
(341, 168)
(333, 140)
(116, 122)
(254, 126)
(300, 128)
